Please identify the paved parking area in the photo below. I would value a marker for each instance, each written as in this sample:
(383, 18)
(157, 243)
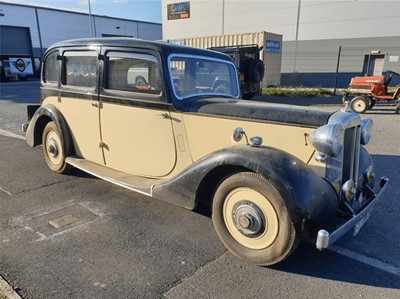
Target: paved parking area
(119, 244)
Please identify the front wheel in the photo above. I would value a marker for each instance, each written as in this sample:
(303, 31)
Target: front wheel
(359, 104)
(252, 220)
(53, 150)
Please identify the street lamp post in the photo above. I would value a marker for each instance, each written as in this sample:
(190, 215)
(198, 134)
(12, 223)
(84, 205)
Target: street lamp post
(297, 36)
(90, 20)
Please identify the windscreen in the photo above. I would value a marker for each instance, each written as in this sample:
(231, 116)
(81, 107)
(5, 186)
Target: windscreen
(197, 76)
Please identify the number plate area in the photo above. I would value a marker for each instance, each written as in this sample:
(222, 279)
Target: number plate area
(361, 223)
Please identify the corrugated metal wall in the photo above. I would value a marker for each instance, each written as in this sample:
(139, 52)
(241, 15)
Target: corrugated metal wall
(272, 60)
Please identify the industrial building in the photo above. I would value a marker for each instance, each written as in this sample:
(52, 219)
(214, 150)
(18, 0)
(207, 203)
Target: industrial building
(27, 31)
(324, 43)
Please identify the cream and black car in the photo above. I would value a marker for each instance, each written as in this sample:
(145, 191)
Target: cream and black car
(167, 121)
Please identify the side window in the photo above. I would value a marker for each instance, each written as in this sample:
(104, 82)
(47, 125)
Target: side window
(80, 69)
(133, 72)
(51, 72)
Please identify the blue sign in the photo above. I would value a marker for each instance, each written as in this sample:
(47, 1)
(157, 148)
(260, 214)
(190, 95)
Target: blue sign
(272, 46)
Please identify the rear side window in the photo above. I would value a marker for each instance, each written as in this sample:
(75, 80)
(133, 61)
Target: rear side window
(51, 73)
(80, 69)
(133, 72)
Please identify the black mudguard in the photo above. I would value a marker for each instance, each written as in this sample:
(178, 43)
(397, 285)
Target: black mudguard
(40, 118)
(312, 201)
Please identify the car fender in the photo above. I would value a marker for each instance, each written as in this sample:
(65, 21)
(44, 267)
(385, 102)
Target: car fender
(310, 199)
(42, 116)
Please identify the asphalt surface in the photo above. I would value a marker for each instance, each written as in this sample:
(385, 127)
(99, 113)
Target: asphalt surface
(121, 244)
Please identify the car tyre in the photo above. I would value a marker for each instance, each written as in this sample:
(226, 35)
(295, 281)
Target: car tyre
(222, 88)
(251, 219)
(53, 149)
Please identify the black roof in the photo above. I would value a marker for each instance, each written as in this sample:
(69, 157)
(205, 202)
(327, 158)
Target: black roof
(127, 42)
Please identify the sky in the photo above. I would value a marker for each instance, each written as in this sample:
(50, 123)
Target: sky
(141, 10)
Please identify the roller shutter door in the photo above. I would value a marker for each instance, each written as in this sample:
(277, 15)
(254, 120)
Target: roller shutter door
(15, 41)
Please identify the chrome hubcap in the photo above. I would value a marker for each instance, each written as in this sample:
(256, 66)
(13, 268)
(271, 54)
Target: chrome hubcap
(248, 218)
(52, 148)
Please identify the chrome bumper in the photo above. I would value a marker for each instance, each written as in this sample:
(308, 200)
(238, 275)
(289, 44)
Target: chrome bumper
(325, 239)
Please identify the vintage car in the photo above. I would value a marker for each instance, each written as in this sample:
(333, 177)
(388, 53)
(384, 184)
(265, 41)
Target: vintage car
(148, 116)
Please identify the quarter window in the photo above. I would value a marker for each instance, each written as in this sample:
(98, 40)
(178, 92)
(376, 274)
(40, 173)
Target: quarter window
(80, 69)
(133, 72)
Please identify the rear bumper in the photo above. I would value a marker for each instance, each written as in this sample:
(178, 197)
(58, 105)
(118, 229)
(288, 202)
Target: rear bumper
(325, 238)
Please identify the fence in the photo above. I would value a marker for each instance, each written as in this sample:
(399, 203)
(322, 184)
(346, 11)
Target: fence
(335, 67)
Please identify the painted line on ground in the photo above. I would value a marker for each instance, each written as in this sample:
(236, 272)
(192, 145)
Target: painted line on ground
(366, 260)
(5, 191)
(7, 290)
(11, 134)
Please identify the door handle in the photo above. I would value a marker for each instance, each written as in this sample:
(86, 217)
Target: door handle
(165, 115)
(95, 105)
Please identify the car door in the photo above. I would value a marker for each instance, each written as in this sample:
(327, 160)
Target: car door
(79, 103)
(136, 129)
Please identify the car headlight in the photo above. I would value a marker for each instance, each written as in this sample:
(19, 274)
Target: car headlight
(349, 190)
(366, 130)
(328, 139)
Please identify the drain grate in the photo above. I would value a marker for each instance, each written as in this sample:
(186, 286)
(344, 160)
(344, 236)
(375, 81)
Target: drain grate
(62, 221)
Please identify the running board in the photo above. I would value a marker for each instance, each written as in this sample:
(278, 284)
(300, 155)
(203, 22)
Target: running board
(129, 181)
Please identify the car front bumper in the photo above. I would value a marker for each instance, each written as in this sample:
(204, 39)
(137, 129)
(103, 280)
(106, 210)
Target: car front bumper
(325, 238)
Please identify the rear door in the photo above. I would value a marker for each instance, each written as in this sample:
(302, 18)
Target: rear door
(79, 102)
(135, 122)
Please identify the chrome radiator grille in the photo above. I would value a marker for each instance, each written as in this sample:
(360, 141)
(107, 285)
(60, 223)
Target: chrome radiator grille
(351, 154)
(345, 166)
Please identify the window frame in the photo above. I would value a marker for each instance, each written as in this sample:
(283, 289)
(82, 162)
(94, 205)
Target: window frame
(94, 53)
(131, 95)
(45, 63)
(181, 55)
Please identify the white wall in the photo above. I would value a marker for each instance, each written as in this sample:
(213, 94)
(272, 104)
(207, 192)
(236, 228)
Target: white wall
(21, 17)
(57, 25)
(322, 19)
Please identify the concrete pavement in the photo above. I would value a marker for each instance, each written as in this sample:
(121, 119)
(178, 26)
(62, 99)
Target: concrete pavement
(120, 244)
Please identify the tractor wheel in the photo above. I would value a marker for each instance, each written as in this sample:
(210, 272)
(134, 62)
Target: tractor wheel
(371, 103)
(397, 107)
(359, 104)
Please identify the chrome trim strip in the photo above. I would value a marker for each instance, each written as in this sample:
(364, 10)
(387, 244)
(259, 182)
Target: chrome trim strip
(75, 163)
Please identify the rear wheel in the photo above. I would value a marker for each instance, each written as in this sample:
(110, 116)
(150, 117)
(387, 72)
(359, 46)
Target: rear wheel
(359, 104)
(53, 150)
(252, 220)
(371, 103)
(222, 88)
(248, 95)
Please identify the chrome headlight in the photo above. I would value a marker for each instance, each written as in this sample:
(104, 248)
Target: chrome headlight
(369, 175)
(366, 130)
(328, 139)
(349, 189)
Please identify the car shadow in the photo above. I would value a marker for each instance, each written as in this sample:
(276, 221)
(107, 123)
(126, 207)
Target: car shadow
(375, 242)
(308, 261)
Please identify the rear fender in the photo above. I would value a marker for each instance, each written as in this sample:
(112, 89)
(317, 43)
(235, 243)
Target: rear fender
(39, 120)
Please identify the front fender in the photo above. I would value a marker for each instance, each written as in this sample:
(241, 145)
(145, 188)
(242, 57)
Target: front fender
(310, 199)
(42, 116)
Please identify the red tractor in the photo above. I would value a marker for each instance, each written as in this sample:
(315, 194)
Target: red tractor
(367, 90)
